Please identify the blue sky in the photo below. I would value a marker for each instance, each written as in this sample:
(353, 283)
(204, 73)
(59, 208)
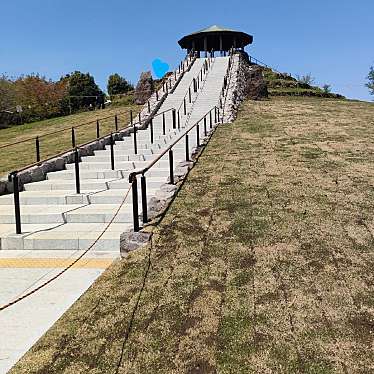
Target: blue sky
(331, 39)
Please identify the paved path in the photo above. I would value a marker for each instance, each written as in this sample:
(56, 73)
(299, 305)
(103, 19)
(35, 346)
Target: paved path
(20, 271)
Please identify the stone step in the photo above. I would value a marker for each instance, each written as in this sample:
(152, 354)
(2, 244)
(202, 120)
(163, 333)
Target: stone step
(70, 236)
(123, 165)
(47, 197)
(102, 213)
(36, 213)
(86, 185)
(86, 174)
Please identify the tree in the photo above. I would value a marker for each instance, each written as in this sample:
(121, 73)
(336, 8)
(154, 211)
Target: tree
(82, 91)
(40, 98)
(326, 88)
(7, 94)
(370, 84)
(118, 85)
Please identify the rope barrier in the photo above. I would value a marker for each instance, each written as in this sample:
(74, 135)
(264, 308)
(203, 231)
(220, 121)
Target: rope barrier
(15, 301)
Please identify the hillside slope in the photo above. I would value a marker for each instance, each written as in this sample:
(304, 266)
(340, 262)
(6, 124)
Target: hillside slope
(263, 263)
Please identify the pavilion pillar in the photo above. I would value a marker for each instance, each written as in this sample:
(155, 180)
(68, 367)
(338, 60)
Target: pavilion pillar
(220, 44)
(206, 46)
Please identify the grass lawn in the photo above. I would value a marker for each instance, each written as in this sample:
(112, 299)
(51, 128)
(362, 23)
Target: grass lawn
(20, 155)
(263, 264)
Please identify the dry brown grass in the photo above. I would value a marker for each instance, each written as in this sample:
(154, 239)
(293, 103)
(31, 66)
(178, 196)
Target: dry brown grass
(263, 264)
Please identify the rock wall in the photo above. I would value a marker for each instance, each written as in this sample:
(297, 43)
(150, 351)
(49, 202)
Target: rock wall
(245, 81)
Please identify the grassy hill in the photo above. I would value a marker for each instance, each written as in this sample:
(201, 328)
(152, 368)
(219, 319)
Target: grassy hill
(23, 154)
(263, 264)
(285, 85)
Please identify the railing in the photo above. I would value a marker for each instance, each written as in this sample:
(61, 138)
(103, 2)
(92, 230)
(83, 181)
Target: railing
(258, 62)
(143, 184)
(14, 176)
(226, 84)
(195, 84)
(70, 134)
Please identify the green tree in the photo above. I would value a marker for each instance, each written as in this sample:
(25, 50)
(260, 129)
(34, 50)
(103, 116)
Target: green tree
(326, 88)
(82, 91)
(7, 94)
(118, 85)
(370, 84)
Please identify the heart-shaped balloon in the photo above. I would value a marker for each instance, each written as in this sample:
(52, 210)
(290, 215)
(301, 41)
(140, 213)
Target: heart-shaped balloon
(160, 68)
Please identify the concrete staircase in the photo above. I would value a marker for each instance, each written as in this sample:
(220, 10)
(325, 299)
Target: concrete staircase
(55, 217)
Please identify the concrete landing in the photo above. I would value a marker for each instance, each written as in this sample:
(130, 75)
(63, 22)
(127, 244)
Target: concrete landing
(20, 271)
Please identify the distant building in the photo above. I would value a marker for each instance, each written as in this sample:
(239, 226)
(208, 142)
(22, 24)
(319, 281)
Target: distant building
(215, 38)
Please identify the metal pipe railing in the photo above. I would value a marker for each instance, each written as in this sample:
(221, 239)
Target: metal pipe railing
(133, 175)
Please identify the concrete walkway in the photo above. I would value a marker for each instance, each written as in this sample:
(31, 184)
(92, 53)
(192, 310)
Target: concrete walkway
(58, 224)
(21, 271)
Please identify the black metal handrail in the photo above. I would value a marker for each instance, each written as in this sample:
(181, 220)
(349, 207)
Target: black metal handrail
(169, 149)
(204, 68)
(59, 131)
(226, 83)
(13, 176)
(258, 62)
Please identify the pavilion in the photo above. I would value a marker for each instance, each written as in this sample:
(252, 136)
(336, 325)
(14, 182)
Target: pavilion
(215, 38)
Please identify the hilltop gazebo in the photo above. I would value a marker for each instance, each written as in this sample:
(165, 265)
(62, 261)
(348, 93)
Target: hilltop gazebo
(215, 38)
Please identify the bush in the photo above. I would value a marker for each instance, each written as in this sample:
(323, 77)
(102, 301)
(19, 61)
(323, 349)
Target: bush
(306, 79)
(326, 88)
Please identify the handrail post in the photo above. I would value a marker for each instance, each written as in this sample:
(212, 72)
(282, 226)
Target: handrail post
(135, 140)
(171, 166)
(77, 176)
(215, 114)
(179, 120)
(17, 210)
(116, 122)
(197, 135)
(143, 186)
(151, 128)
(97, 129)
(189, 94)
(157, 95)
(205, 131)
(111, 151)
(37, 148)
(210, 119)
(184, 106)
(173, 114)
(163, 124)
(135, 208)
(149, 107)
(73, 137)
(187, 149)
(194, 85)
